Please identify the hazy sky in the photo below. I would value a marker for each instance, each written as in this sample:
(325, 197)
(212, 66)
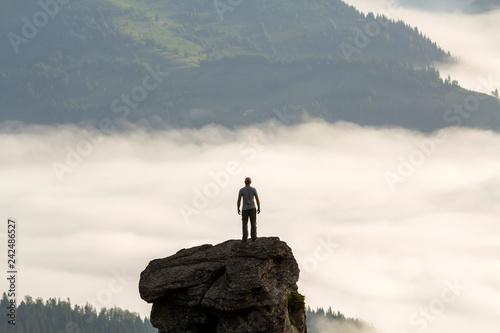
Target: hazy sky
(383, 222)
(471, 38)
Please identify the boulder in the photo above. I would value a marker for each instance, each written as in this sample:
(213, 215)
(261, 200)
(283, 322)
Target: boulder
(232, 287)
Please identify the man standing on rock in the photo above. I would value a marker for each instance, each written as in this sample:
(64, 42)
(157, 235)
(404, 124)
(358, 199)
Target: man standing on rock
(248, 193)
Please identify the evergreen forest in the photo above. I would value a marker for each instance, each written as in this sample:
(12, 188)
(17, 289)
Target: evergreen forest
(191, 63)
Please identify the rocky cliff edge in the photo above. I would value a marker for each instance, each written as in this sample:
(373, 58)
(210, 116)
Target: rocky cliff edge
(232, 287)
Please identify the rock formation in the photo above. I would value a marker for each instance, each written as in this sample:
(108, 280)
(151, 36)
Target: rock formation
(230, 287)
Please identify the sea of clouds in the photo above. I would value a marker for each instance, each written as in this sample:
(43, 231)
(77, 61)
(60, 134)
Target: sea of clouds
(393, 226)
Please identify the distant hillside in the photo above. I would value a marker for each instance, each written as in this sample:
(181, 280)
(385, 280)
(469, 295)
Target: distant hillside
(51, 316)
(319, 321)
(228, 64)
(437, 5)
(480, 6)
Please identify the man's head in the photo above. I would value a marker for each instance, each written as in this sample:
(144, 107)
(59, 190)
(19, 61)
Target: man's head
(248, 181)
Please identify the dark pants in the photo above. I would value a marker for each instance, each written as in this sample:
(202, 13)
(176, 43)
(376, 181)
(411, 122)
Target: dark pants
(252, 214)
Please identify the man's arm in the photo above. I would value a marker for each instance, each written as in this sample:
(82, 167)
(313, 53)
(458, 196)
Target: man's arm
(258, 203)
(238, 204)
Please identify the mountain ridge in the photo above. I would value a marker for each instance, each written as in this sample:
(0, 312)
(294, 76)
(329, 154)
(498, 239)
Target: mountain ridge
(482, 6)
(92, 53)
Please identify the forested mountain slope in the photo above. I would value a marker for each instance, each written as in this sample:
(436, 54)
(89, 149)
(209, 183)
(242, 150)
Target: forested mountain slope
(37, 316)
(193, 62)
(480, 6)
(54, 315)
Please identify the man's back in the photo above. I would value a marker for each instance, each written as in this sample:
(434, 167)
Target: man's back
(248, 193)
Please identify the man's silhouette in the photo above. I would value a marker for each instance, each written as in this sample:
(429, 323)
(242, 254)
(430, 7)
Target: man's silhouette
(248, 193)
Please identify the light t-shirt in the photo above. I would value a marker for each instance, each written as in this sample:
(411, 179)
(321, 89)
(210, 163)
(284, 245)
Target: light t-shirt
(248, 194)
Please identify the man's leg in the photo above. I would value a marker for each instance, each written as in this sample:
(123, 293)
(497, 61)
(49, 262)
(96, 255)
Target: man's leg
(253, 224)
(244, 220)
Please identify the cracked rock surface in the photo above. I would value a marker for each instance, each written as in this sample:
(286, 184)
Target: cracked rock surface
(230, 287)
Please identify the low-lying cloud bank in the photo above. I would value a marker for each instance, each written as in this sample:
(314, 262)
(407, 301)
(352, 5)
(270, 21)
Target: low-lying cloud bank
(392, 226)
